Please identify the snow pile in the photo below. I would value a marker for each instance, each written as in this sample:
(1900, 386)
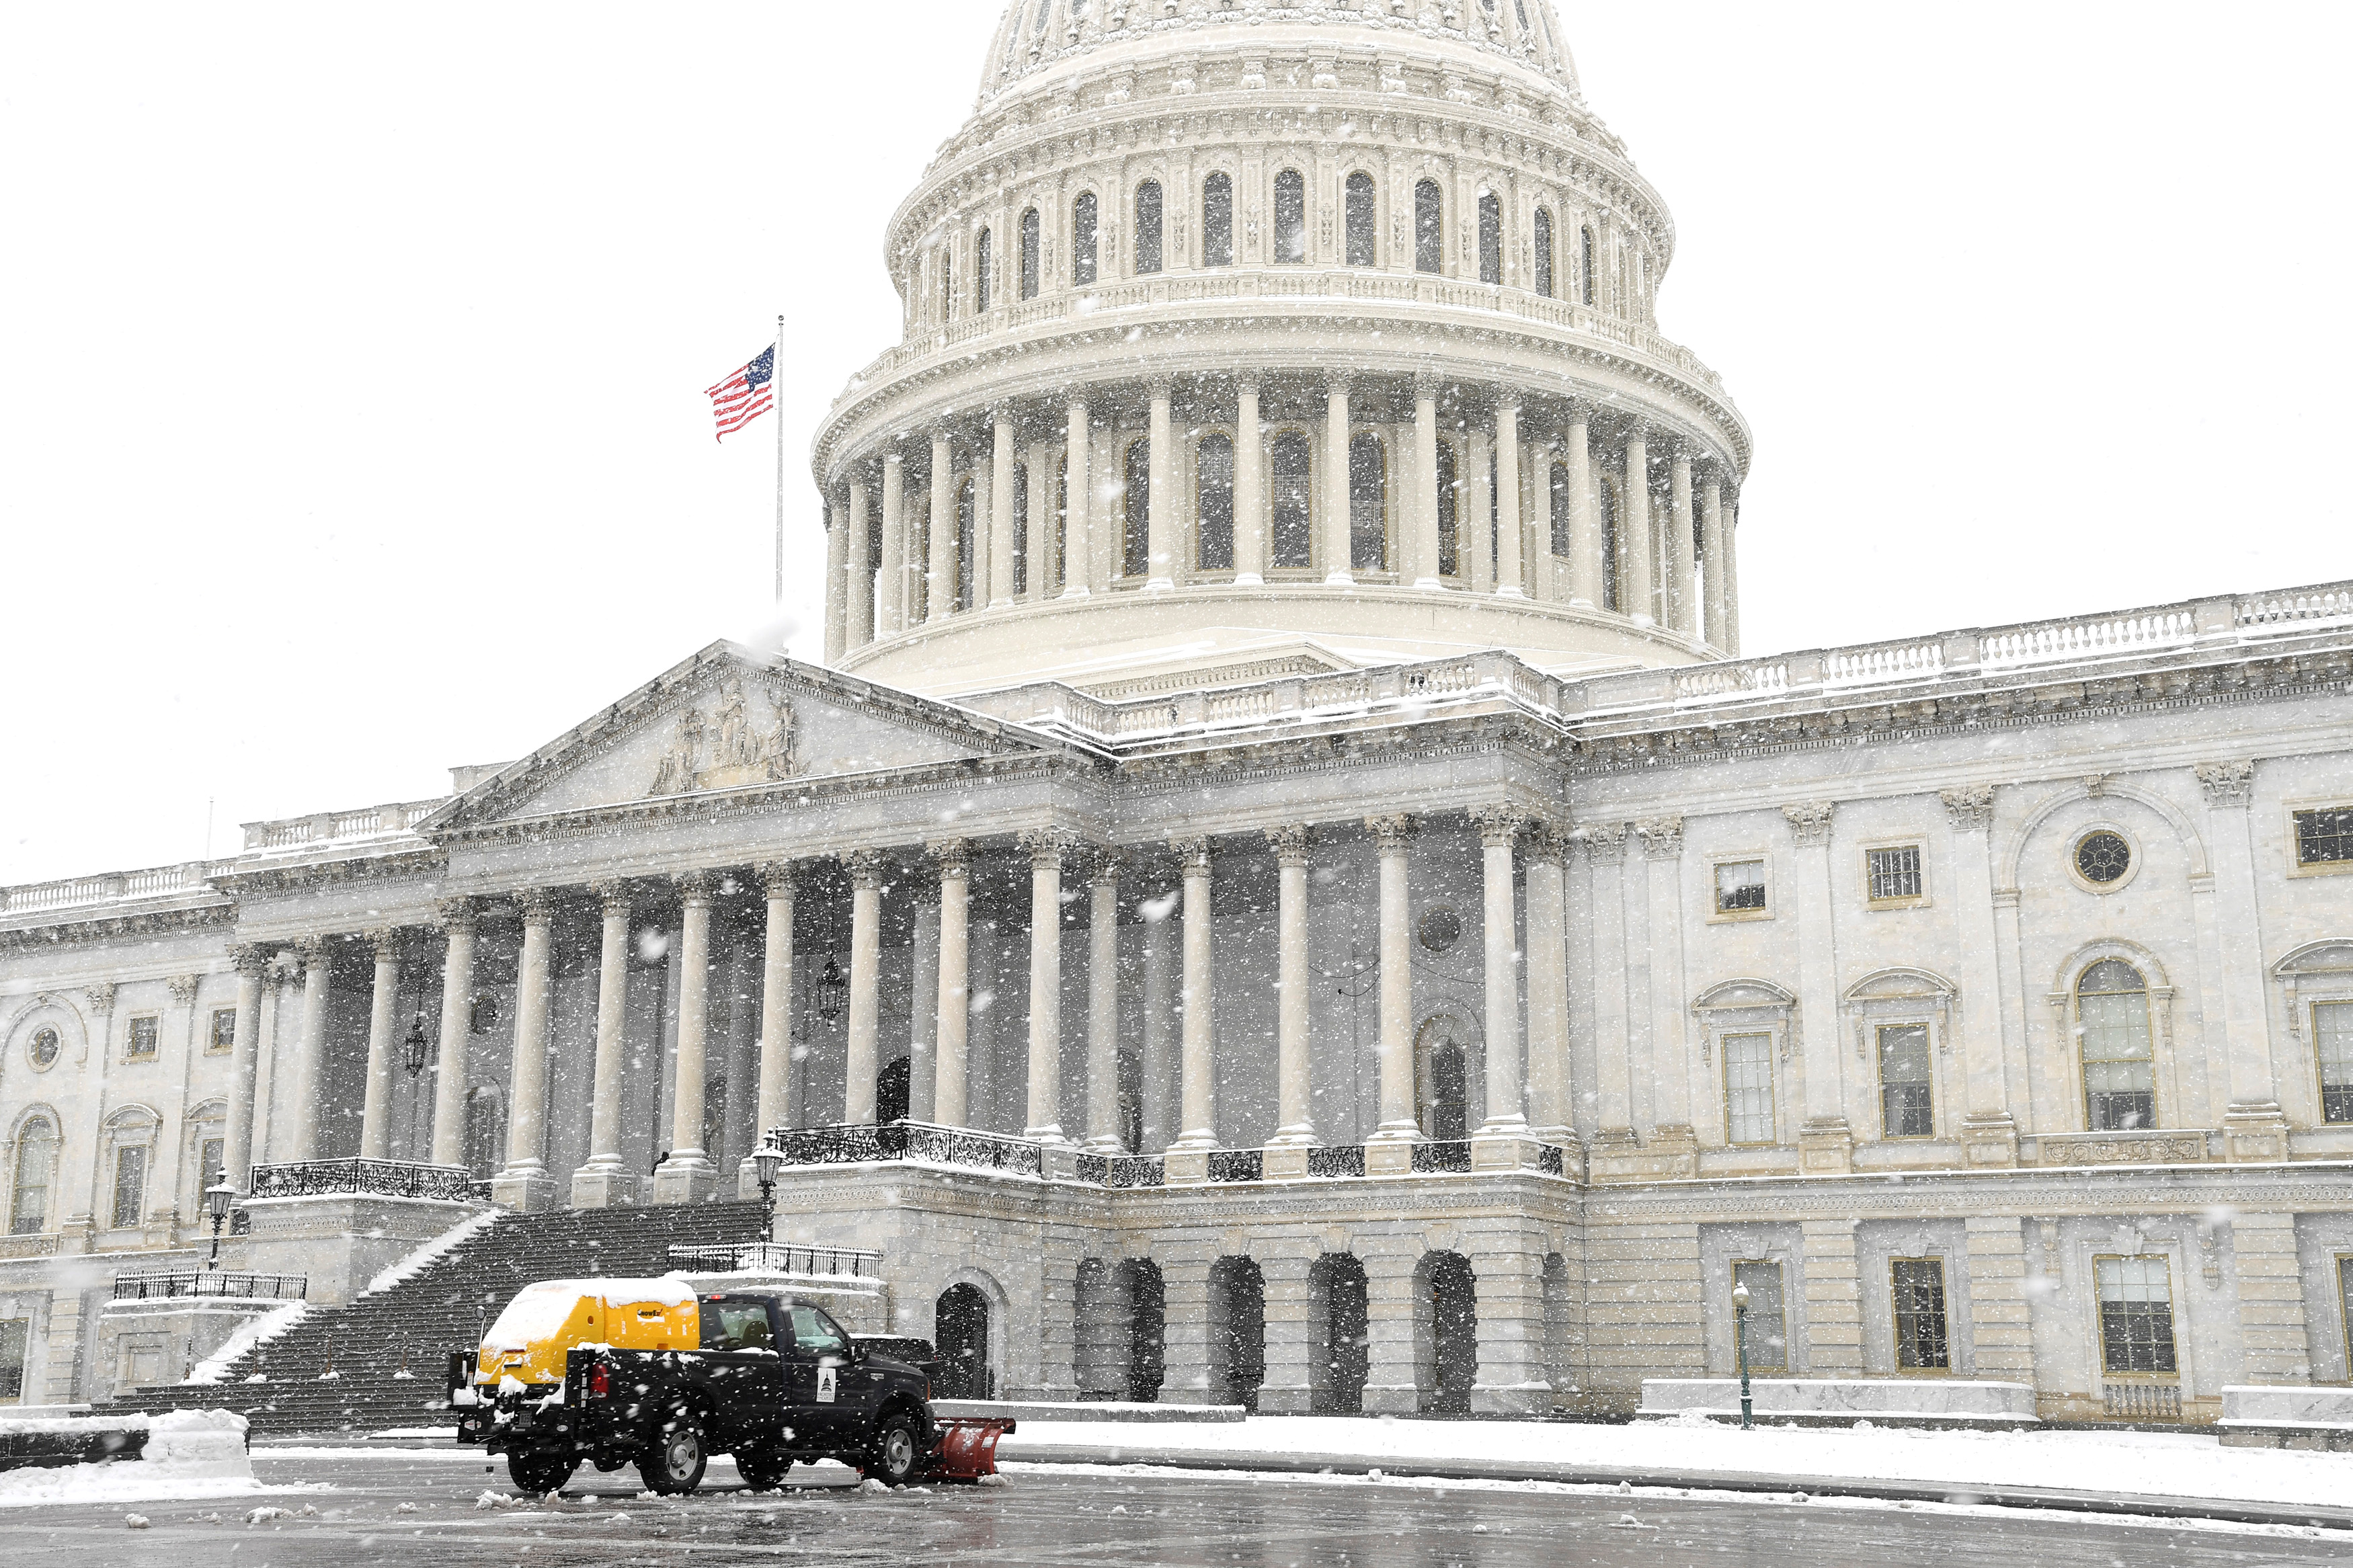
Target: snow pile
(255, 1331)
(189, 1454)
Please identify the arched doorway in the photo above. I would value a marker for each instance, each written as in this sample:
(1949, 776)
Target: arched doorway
(1237, 1331)
(1147, 1328)
(1445, 1332)
(891, 1086)
(1339, 1317)
(960, 1334)
(486, 1126)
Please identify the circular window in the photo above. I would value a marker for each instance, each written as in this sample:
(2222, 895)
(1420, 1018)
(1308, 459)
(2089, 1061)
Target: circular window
(1442, 928)
(45, 1046)
(2102, 859)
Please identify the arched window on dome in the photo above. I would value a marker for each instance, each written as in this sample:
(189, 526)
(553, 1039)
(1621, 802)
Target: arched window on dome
(2119, 1064)
(1290, 217)
(963, 542)
(947, 281)
(982, 266)
(1491, 238)
(1218, 221)
(1563, 510)
(1082, 239)
(1429, 227)
(1544, 252)
(1585, 266)
(1029, 254)
(1214, 504)
(1363, 224)
(1368, 503)
(1135, 510)
(1148, 227)
(1449, 513)
(36, 1162)
(1038, 23)
(1606, 502)
(1019, 523)
(1290, 469)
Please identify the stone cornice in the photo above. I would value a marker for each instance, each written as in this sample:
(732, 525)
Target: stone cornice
(79, 928)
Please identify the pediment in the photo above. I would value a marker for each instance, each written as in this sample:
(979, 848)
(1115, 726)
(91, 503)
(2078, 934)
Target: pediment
(1732, 996)
(730, 720)
(1899, 984)
(2333, 958)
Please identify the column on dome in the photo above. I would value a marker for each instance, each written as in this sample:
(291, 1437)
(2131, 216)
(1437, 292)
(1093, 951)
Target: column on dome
(1043, 1120)
(384, 1023)
(951, 1063)
(1250, 487)
(1078, 527)
(1587, 560)
(1160, 509)
(1732, 574)
(858, 596)
(1338, 564)
(458, 926)
(1711, 531)
(1473, 507)
(1198, 1003)
(1002, 524)
(837, 579)
(236, 1153)
(1499, 834)
(1295, 1122)
(982, 566)
(311, 1048)
(606, 1180)
(1634, 544)
(1040, 583)
(522, 1183)
(865, 983)
(1683, 602)
(890, 577)
(1511, 572)
(1103, 1005)
(1423, 564)
(1393, 835)
(940, 574)
(688, 1176)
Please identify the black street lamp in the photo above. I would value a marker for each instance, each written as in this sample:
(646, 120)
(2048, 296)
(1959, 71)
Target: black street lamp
(218, 1198)
(765, 1163)
(1740, 1341)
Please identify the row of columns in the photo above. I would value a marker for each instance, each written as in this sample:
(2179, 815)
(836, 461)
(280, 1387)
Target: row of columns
(908, 586)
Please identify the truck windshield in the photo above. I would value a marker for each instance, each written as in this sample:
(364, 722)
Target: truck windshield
(814, 1333)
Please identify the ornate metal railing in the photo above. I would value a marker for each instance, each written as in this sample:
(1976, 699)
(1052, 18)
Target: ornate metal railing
(1344, 1159)
(373, 1178)
(1237, 1164)
(1443, 1154)
(780, 1258)
(207, 1282)
(862, 1143)
(1123, 1169)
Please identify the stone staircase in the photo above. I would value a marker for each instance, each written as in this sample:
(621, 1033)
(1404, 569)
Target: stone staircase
(442, 1307)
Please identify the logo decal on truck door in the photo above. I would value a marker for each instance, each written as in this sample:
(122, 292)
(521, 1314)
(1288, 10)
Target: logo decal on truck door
(825, 1384)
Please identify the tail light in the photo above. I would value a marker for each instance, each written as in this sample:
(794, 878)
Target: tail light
(600, 1380)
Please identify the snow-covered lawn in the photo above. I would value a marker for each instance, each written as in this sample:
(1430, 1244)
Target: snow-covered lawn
(2182, 1465)
(189, 1454)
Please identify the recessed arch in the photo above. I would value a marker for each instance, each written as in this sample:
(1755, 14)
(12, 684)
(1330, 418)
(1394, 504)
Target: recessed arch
(2013, 853)
(1429, 227)
(1148, 227)
(1289, 217)
(1217, 220)
(1361, 230)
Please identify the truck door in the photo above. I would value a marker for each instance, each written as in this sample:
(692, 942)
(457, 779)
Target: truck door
(833, 1411)
(746, 1376)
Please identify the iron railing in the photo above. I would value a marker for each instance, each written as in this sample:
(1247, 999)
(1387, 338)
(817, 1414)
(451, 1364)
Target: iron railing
(780, 1258)
(1237, 1164)
(863, 1143)
(2143, 1401)
(373, 1178)
(1123, 1169)
(211, 1282)
(1342, 1160)
(1443, 1154)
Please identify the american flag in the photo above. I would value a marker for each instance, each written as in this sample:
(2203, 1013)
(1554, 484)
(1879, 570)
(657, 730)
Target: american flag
(745, 395)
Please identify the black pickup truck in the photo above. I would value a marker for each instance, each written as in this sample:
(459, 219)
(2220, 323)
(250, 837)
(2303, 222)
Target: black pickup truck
(772, 1382)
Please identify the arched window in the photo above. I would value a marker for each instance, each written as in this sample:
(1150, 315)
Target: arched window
(983, 281)
(1429, 227)
(1609, 507)
(1362, 229)
(1218, 221)
(1029, 254)
(1214, 504)
(1491, 238)
(964, 563)
(37, 1163)
(1368, 504)
(1289, 475)
(1135, 553)
(1450, 512)
(1290, 217)
(947, 282)
(2119, 1066)
(1562, 510)
(1082, 239)
(1584, 266)
(1544, 253)
(1148, 227)
(1019, 523)
(1037, 26)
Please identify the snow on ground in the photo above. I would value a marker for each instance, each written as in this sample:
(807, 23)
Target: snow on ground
(189, 1454)
(2165, 1464)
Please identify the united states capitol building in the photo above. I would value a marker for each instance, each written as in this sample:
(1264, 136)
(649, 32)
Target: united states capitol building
(1286, 886)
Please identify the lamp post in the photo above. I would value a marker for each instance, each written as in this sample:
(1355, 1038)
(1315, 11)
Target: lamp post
(1740, 1343)
(767, 1161)
(218, 1199)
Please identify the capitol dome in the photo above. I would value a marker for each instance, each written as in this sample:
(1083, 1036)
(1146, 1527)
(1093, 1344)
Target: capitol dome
(1245, 338)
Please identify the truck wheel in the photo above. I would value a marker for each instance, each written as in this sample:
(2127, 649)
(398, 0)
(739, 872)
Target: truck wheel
(540, 1474)
(673, 1462)
(763, 1469)
(894, 1453)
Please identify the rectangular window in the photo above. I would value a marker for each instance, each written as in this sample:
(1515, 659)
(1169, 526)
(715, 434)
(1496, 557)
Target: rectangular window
(2332, 1036)
(141, 1045)
(2324, 837)
(2135, 1314)
(1748, 1089)
(222, 1038)
(1768, 1331)
(1893, 874)
(1740, 888)
(130, 1186)
(1921, 1342)
(15, 1335)
(1907, 1108)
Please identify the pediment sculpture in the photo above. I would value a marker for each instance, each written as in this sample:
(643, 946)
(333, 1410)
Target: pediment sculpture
(728, 748)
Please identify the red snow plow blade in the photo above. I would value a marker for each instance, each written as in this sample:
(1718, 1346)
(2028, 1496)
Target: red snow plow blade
(967, 1449)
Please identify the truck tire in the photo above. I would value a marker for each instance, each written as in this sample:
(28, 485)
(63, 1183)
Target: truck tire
(763, 1469)
(895, 1453)
(540, 1474)
(675, 1457)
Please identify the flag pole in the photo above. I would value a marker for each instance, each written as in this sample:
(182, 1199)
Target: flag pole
(776, 406)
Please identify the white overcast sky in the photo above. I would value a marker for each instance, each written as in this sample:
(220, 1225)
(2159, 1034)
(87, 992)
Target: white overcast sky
(352, 356)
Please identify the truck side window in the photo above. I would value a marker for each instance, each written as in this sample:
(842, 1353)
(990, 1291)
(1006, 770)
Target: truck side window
(736, 1326)
(814, 1333)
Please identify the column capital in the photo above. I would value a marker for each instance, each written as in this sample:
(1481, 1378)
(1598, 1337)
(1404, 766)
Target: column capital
(313, 951)
(1969, 808)
(1427, 384)
(99, 997)
(451, 914)
(184, 989)
(1663, 837)
(385, 943)
(1192, 854)
(537, 905)
(1336, 383)
(612, 897)
(1045, 847)
(250, 958)
(1247, 382)
(1392, 830)
(2227, 783)
(1508, 397)
(1604, 842)
(1291, 843)
(949, 857)
(1811, 820)
(1106, 865)
(693, 887)
(1546, 841)
(1499, 826)
(1160, 387)
(779, 878)
(865, 868)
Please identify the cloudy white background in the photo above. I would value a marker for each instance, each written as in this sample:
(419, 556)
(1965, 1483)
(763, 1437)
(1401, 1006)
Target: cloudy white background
(352, 356)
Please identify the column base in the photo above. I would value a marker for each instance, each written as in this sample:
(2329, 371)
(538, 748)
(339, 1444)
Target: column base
(1339, 580)
(1989, 1141)
(1671, 1155)
(2254, 1135)
(1431, 584)
(1284, 1162)
(1391, 1399)
(603, 1187)
(1501, 1151)
(1388, 1157)
(1183, 1167)
(523, 1188)
(685, 1179)
(1511, 591)
(1272, 1401)
(1512, 1399)
(1249, 580)
(1060, 1161)
(1160, 586)
(1825, 1147)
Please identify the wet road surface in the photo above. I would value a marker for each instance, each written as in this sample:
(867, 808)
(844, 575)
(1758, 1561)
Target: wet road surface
(387, 1508)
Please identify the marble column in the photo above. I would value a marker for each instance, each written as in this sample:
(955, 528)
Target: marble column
(952, 1054)
(1711, 530)
(1825, 1142)
(858, 601)
(1043, 1120)
(1682, 602)
(923, 989)
(1421, 566)
(383, 1027)
(2253, 1127)
(1548, 964)
(1672, 1136)
(1394, 833)
(1197, 1067)
(836, 580)
(522, 1183)
(865, 983)
(1989, 1134)
(1103, 1006)
(1634, 544)
(1293, 988)
(1160, 544)
(1078, 527)
(1339, 565)
(689, 1174)
(1292, 1334)
(1158, 1008)
(1499, 834)
(890, 577)
(1605, 854)
(607, 1180)
(940, 575)
(780, 879)
(1391, 1387)
(1588, 563)
(1002, 524)
(237, 1153)
(1250, 487)
(458, 922)
(310, 1050)
(1732, 575)
(1511, 573)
